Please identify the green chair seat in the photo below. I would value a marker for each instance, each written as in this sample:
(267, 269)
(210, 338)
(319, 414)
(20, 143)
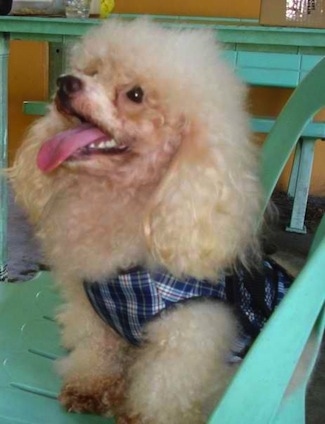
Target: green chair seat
(29, 344)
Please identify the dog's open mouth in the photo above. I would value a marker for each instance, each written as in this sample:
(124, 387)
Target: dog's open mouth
(80, 142)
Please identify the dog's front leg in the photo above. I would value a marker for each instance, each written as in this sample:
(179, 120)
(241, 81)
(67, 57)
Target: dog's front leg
(93, 379)
(181, 372)
(93, 371)
(78, 321)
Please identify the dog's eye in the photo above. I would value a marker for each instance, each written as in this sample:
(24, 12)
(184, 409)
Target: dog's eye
(135, 94)
(90, 72)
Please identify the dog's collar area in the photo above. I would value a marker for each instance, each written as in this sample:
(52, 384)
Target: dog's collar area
(136, 296)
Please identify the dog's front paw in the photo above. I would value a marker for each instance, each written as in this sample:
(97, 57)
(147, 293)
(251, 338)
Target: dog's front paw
(99, 396)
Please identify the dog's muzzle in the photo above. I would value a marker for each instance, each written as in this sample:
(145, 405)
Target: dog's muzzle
(68, 87)
(69, 84)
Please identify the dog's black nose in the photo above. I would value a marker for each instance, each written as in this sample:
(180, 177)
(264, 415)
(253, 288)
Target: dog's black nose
(69, 84)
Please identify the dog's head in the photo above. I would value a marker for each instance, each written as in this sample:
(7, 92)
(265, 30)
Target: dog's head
(120, 106)
(131, 93)
(143, 105)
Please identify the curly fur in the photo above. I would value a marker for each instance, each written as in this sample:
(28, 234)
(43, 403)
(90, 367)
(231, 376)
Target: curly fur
(186, 196)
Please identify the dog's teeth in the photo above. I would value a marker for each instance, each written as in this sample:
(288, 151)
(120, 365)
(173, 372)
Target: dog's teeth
(110, 143)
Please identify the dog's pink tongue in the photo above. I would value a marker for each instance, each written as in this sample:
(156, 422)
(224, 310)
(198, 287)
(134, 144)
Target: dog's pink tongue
(57, 149)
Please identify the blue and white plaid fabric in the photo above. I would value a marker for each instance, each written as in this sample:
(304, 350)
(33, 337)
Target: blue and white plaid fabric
(130, 300)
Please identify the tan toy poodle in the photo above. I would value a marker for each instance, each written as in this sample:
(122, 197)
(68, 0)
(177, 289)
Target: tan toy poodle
(142, 183)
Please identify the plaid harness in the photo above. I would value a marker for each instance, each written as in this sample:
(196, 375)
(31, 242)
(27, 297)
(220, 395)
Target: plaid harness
(130, 300)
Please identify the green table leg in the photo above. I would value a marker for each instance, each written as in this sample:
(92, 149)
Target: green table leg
(4, 51)
(303, 177)
(294, 172)
(57, 64)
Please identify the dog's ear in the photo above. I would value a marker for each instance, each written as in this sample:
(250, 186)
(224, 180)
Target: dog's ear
(203, 216)
(33, 189)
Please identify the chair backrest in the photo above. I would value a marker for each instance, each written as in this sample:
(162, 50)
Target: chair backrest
(307, 99)
(258, 388)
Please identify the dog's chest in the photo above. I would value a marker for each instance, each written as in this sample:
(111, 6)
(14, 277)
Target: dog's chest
(94, 230)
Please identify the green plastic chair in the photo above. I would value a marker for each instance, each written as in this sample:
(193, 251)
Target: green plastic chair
(29, 339)
(257, 393)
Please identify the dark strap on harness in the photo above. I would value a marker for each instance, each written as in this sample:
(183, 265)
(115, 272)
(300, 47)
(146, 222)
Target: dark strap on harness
(254, 295)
